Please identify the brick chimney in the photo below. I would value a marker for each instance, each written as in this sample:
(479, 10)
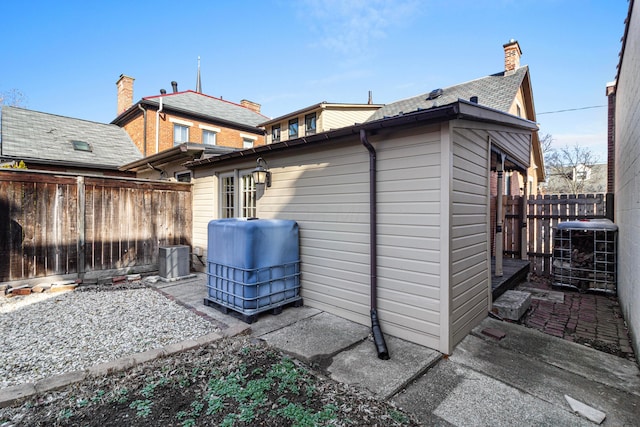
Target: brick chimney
(125, 93)
(512, 55)
(253, 106)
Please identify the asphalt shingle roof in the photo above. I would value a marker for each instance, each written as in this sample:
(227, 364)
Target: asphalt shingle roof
(206, 105)
(496, 91)
(33, 135)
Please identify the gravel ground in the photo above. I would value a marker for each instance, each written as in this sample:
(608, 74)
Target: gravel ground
(238, 381)
(53, 333)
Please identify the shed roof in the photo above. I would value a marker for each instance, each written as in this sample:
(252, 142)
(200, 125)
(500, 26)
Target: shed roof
(496, 91)
(179, 153)
(460, 109)
(47, 138)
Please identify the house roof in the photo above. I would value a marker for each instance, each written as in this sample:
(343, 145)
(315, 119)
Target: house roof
(47, 139)
(196, 104)
(496, 91)
(322, 105)
(460, 109)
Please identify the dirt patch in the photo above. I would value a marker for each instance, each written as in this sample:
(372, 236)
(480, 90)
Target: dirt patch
(232, 382)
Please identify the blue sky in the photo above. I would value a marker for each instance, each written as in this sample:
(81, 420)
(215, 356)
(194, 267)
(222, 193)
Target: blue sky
(66, 56)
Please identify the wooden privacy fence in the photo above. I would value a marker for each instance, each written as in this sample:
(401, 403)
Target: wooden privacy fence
(55, 224)
(545, 212)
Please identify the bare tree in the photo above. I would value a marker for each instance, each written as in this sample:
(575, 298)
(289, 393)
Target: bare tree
(13, 98)
(568, 168)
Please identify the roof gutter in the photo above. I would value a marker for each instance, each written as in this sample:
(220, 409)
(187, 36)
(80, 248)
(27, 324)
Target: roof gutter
(434, 115)
(38, 161)
(460, 109)
(378, 337)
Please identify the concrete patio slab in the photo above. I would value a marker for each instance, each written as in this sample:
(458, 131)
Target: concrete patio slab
(361, 366)
(317, 338)
(612, 371)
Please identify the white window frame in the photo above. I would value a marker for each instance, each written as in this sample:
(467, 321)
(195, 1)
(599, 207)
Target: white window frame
(248, 141)
(244, 199)
(180, 126)
(273, 128)
(213, 134)
(248, 196)
(310, 130)
(226, 211)
(182, 173)
(212, 129)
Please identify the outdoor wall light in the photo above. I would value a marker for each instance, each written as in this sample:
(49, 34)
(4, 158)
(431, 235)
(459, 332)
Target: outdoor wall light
(261, 174)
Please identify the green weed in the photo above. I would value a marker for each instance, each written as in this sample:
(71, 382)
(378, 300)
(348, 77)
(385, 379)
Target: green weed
(142, 407)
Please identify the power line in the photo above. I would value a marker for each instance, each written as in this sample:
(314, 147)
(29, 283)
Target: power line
(571, 109)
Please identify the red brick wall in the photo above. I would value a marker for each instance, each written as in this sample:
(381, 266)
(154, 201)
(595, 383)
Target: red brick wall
(611, 136)
(227, 137)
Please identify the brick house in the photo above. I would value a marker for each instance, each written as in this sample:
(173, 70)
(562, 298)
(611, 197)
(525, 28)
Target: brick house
(159, 122)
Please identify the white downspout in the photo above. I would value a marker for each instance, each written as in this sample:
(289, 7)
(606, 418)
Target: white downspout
(158, 127)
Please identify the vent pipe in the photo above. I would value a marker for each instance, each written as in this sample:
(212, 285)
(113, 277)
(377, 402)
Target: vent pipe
(174, 85)
(198, 81)
(163, 91)
(378, 337)
(474, 99)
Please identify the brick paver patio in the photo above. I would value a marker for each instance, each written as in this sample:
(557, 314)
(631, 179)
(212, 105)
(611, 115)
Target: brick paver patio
(592, 319)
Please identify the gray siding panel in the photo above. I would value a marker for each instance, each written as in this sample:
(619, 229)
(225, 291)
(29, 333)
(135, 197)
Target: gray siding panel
(517, 145)
(469, 217)
(327, 193)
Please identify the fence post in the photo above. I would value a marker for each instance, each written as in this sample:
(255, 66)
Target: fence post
(80, 221)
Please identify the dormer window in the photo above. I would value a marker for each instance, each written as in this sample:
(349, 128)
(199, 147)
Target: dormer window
(293, 128)
(310, 124)
(81, 146)
(275, 133)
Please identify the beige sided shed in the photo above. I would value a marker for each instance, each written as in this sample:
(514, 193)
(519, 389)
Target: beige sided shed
(433, 243)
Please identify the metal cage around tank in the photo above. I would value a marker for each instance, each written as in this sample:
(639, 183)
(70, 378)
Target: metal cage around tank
(584, 255)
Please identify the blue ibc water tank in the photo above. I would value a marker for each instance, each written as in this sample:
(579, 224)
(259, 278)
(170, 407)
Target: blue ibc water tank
(253, 264)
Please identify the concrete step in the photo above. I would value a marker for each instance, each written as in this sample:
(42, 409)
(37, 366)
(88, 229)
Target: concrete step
(512, 304)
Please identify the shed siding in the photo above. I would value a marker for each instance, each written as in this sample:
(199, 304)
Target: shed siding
(469, 282)
(515, 144)
(204, 209)
(327, 193)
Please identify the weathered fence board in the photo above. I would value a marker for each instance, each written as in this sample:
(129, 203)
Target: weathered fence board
(544, 213)
(54, 224)
(512, 226)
